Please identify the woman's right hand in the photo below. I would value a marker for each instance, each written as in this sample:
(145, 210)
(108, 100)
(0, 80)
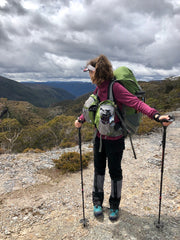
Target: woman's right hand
(77, 124)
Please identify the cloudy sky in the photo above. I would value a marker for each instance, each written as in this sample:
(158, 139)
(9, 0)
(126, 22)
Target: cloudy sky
(45, 40)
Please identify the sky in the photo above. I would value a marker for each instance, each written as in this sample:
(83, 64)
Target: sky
(52, 40)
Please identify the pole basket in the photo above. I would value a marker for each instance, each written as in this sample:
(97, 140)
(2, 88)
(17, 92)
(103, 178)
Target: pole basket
(84, 221)
(158, 224)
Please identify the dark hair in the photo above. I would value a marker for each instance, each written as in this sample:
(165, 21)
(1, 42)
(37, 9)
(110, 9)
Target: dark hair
(103, 71)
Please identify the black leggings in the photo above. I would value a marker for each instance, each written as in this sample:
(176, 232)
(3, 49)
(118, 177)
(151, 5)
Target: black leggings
(113, 151)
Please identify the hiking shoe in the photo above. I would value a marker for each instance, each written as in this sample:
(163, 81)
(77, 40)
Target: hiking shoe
(114, 214)
(98, 211)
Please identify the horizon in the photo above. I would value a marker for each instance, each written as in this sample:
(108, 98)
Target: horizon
(82, 80)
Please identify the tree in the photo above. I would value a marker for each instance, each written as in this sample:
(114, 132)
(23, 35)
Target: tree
(11, 129)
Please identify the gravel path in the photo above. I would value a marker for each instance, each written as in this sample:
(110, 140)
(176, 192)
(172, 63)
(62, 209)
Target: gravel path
(38, 203)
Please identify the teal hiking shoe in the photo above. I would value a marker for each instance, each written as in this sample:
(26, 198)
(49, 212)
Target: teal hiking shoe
(98, 211)
(114, 214)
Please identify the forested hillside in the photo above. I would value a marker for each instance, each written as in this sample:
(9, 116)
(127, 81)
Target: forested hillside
(38, 95)
(25, 126)
(162, 95)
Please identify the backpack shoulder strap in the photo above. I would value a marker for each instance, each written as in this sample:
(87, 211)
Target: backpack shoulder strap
(96, 94)
(117, 110)
(110, 90)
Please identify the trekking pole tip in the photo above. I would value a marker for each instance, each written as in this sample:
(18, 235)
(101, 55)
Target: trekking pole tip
(158, 224)
(84, 221)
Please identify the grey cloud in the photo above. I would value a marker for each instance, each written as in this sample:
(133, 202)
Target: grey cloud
(122, 31)
(54, 3)
(163, 55)
(13, 7)
(155, 7)
(39, 22)
(3, 35)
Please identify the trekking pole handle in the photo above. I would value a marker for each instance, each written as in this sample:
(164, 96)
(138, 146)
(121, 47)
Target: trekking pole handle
(171, 119)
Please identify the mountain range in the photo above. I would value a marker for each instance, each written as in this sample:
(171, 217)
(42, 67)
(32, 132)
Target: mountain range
(76, 88)
(37, 94)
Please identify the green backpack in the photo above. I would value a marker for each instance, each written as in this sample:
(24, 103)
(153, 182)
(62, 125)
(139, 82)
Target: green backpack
(129, 117)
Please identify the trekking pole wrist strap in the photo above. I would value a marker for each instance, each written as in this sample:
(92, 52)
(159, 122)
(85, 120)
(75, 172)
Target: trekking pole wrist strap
(156, 117)
(80, 120)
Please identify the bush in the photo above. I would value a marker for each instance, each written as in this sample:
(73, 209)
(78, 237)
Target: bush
(32, 150)
(147, 125)
(2, 151)
(41, 137)
(70, 162)
(67, 144)
(10, 125)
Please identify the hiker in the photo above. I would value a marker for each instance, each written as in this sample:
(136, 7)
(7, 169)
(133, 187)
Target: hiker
(101, 74)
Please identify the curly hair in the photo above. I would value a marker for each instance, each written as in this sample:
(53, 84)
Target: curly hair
(103, 71)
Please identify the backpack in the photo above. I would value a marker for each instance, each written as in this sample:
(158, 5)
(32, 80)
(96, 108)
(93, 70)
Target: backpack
(102, 114)
(129, 117)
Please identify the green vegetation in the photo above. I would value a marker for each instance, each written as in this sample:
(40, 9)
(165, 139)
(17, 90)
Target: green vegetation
(38, 133)
(147, 125)
(70, 162)
(32, 150)
(162, 95)
(25, 126)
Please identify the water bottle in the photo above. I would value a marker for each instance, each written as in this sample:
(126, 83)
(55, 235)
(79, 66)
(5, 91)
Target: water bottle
(111, 121)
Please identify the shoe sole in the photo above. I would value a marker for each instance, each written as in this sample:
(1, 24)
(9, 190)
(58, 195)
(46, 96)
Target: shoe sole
(98, 214)
(113, 219)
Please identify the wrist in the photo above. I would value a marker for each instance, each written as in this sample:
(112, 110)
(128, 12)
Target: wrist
(80, 120)
(156, 117)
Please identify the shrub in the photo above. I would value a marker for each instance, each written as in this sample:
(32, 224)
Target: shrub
(70, 162)
(2, 151)
(10, 125)
(67, 144)
(41, 137)
(147, 125)
(33, 150)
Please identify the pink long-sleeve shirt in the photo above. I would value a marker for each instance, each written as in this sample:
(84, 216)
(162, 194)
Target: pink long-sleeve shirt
(122, 96)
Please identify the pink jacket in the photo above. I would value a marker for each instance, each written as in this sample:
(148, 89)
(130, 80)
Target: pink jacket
(122, 96)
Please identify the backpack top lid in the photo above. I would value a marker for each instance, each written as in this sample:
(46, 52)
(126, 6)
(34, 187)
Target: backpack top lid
(126, 77)
(124, 73)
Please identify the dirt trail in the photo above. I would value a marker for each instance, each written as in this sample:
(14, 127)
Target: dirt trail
(37, 203)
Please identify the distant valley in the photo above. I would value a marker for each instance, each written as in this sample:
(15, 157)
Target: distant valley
(76, 88)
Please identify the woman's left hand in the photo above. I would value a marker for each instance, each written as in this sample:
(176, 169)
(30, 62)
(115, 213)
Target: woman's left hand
(164, 118)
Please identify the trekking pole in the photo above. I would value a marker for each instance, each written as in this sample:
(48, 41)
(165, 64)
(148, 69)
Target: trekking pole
(83, 220)
(158, 223)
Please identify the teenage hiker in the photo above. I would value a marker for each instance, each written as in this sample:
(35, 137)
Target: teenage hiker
(101, 74)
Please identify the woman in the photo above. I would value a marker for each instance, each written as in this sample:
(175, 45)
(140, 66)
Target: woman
(101, 74)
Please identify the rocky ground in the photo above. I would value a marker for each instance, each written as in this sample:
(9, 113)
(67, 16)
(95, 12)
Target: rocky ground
(38, 203)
